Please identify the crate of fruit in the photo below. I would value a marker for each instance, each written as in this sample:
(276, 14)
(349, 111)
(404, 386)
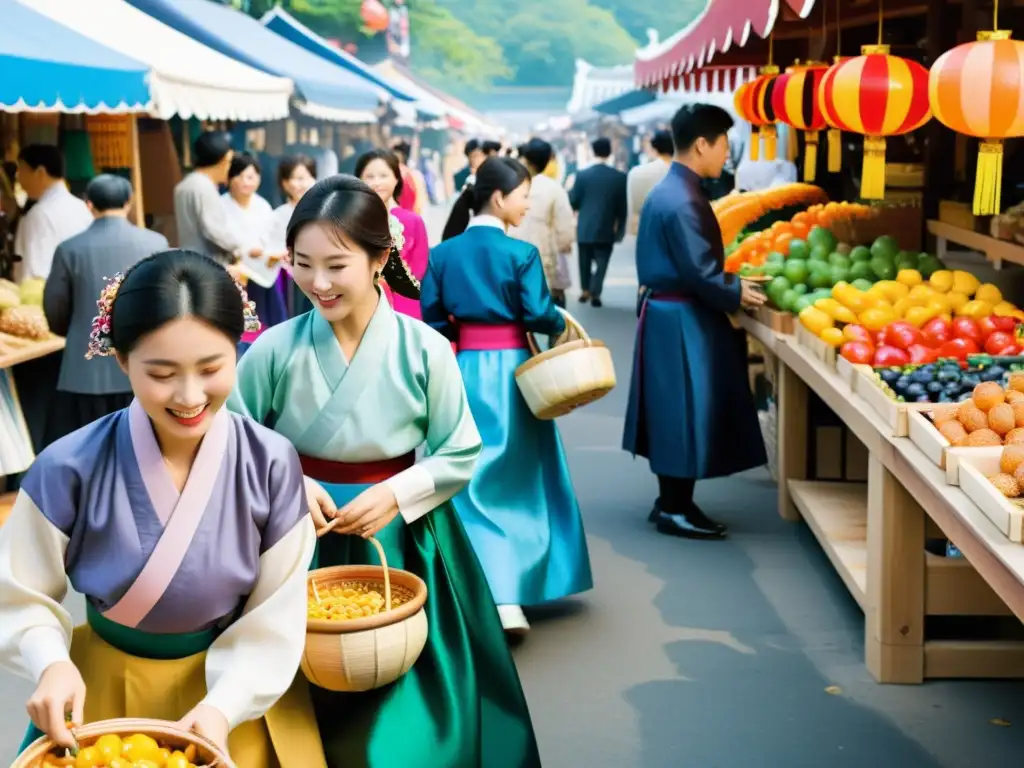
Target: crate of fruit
(892, 407)
(849, 372)
(820, 349)
(780, 322)
(994, 481)
(992, 416)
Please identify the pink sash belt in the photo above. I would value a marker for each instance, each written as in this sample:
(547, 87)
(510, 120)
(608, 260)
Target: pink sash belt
(485, 337)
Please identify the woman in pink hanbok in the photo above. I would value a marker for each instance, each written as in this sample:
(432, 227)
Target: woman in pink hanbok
(380, 170)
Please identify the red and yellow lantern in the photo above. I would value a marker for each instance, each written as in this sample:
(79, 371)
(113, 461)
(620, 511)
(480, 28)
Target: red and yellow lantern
(795, 100)
(876, 95)
(977, 89)
(743, 102)
(761, 90)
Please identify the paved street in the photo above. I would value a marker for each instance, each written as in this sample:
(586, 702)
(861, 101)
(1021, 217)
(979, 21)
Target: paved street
(709, 654)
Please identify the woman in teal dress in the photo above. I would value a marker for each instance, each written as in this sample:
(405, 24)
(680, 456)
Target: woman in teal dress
(520, 510)
(358, 388)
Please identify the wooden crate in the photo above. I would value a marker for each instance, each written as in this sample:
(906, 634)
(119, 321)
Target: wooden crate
(780, 322)
(975, 469)
(848, 372)
(822, 351)
(895, 414)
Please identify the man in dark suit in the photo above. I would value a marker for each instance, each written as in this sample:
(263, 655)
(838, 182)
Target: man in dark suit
(599, 196)
(82, 267)
(474, 156)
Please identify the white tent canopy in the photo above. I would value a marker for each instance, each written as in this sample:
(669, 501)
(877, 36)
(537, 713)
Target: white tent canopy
(188, 79)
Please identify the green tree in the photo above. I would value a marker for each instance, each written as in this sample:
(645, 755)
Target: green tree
(637, 16)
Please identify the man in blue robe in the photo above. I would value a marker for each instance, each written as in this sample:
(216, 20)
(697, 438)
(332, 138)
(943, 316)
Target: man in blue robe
(690, 412)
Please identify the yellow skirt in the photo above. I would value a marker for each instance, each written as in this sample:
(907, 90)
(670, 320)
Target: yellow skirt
(120, 685)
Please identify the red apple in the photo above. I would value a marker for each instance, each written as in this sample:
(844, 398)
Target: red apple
(967, 328)
(887, 356)
(937, 332)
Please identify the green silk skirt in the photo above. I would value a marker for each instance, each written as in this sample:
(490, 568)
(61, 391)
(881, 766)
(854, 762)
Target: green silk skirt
(461, 705)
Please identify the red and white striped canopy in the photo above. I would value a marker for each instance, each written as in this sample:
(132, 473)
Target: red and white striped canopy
(722, 24)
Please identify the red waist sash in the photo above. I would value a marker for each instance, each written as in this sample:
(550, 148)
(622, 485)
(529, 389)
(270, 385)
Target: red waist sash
(363, 473)
(482, 337)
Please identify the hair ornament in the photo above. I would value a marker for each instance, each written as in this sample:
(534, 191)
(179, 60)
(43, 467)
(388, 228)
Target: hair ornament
(100, 340)
(100, 344)
(397, 230)
(252, 322)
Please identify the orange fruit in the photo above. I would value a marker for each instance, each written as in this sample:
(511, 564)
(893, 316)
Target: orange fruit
(983, 438)
(988, 394)
(1001, 418)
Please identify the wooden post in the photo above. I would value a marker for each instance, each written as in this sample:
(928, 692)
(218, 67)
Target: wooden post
(894, 616)
(138, 213)
(793, 400)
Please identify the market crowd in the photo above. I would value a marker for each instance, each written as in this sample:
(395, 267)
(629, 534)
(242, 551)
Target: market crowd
(303, 387)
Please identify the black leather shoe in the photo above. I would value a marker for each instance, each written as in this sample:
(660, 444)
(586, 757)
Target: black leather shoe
(696, 515)
(584, 297)
(686, 527)
(596, 302)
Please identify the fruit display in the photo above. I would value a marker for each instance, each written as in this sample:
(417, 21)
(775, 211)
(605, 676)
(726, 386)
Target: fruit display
(736, 212)
(26, 321)
(753, 250)
(353, 601)
(991, 416)
(941, 382)
(31, 291)
(138, 750)
(901, 343)
(1010, 480)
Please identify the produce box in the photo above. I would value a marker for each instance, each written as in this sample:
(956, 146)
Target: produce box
(848, 371)
(937, 448)
(820, 349)
(1006, 514)
(883, 401)
(962, 215)
(780, 322)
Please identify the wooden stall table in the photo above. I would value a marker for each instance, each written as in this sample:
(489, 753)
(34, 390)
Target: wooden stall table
(996, 251)
(874, 533)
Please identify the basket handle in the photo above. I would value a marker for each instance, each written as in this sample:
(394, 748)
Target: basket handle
(380, 556)
(570, 321)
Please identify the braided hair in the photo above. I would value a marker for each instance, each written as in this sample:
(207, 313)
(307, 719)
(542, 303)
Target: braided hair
(350, 206)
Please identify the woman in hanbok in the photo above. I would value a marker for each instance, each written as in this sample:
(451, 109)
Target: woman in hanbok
(520, 509)
(185, 527)
(251, 218)
(358, 388)
(295, 175)
(380, 169)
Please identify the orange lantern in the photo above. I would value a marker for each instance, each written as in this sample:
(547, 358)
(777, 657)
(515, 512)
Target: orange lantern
(761, 91)
(978, 89)
(795, 100)
(743, 102)
(876, 95)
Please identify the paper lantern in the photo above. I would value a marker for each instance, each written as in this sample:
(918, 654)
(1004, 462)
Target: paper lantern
(795, 100)
(876, 95)
(761, 90)
(977, 89)
(374, 15)
(743, 102)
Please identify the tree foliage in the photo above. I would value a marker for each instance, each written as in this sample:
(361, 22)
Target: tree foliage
(477, 43)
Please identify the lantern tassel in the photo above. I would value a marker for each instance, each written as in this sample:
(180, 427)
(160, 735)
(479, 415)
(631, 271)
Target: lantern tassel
(771, 139)
(872, 180)
(755, 144)
(835, 150)
(810, 155)
(988, 184)
(792, 145)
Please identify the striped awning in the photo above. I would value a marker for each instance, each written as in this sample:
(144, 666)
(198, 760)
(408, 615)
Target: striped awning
(722, 25)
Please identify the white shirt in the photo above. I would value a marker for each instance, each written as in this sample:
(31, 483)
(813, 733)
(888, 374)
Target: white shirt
(639, 183)
(755, 175)
(253, 227)
(55, 217)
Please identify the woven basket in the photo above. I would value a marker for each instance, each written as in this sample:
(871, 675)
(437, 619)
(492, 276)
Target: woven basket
(362, 654)
(563, 378)
(166, 733)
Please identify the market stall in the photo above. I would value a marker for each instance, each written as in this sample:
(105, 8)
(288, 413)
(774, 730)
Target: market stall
(896, 419)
